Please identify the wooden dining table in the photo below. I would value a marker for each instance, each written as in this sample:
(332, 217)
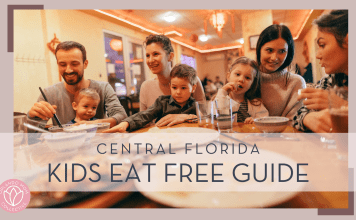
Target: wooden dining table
(134, 199)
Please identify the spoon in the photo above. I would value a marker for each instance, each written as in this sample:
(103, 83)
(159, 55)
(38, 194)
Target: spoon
(35, 128)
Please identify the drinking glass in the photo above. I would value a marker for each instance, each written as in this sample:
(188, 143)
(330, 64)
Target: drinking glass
(204, 110)
(325, 138)
(339, 110)
(21, 150)
(339, 113)
(20, 130)
(224, 119)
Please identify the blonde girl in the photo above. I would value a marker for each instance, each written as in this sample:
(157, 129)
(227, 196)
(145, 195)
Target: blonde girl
(244, 88)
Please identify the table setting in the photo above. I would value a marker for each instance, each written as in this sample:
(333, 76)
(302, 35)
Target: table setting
(297, 169)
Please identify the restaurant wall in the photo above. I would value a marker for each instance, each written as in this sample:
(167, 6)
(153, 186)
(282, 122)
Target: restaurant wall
(88, 29)
(200, 64)
(253, 23)
(298, 55)
(29, 43)
(211, 68)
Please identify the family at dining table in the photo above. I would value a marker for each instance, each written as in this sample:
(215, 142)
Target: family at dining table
(257, 89)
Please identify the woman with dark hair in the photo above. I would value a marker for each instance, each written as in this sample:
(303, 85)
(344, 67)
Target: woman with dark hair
(332, 40)
(279, 88)
(159, 58)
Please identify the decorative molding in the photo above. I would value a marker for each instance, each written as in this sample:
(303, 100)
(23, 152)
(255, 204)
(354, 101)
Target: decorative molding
(53, 44)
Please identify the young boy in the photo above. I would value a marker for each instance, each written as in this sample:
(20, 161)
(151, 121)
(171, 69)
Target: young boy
(183, 84)
(85, 103)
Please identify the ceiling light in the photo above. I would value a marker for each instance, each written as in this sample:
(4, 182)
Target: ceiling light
(241, 41)
(203, 37)
(170, 16)
(172, 39)
(218, 20)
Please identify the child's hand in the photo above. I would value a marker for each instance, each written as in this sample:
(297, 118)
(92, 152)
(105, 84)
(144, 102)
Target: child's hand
(172, 119)
(249, 120)
(191, 119)
(122, 127)
(228, 87)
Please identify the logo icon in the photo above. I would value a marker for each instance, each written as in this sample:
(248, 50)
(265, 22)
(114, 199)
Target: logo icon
(14, 195)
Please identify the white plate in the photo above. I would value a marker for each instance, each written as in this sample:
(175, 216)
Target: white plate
(177, 137)
(217, 195)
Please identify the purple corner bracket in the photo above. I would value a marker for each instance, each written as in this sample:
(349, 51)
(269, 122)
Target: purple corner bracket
(351, 198)
(10, 22)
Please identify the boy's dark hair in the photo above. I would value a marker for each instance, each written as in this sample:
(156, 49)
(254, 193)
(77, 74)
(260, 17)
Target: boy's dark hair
(161, 39)
(336, 22)
(186, 72)
(68, 45)
(254, 92)
(86, 92)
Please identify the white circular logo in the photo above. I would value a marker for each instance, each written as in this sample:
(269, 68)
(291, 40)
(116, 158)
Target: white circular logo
(13, 195)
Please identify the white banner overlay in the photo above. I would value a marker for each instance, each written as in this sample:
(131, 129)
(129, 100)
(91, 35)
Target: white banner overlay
(182, 162)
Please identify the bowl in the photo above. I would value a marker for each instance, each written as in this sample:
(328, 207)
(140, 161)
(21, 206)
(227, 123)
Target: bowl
(102, 127)
(272, 124)
(57, 128)
(64, 142)
(90, 129)
(19, 138)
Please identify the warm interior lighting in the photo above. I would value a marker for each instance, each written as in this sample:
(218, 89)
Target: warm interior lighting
(203, 38)
(116, 44)
(218, 20)
(136, 61)
(301, 29)
(172, 39)
(241, 41)
(170, 16)
(173, 32)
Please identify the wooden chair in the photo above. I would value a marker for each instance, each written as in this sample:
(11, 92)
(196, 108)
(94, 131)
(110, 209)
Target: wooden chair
(127, 104)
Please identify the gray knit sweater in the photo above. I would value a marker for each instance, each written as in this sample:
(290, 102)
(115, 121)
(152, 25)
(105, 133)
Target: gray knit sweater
(279, 97)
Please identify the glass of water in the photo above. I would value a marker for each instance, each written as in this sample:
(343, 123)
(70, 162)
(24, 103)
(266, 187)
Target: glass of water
(204, 110)
(224, 119)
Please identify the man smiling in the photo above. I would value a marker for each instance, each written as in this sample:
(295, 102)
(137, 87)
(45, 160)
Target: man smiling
(71, 61)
